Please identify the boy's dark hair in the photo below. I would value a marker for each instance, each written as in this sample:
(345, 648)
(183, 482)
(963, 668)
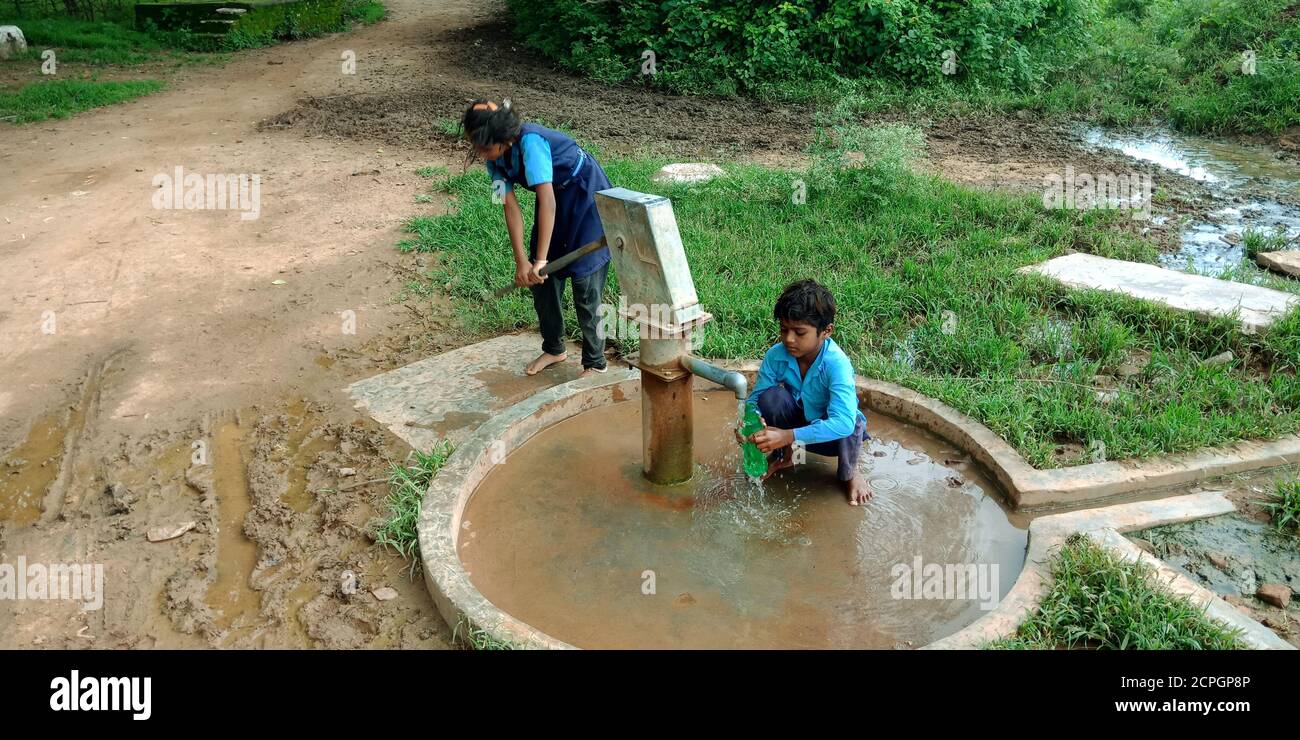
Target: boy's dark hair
(807, 301)
(485, 123)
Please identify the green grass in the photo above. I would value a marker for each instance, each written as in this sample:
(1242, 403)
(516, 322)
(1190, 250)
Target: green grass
(1254, 241)
(478, 638)
(901, 251)
(1098, 601)
(365, 12)
(1284, 506)
(38, 101)
(408, 483)
(90, 42)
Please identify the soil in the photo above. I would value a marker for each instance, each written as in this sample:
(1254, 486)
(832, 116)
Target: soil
(168, 366)
(135, 338)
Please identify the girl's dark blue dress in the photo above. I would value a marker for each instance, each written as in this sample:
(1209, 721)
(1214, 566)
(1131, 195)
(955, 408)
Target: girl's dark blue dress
(576, 177)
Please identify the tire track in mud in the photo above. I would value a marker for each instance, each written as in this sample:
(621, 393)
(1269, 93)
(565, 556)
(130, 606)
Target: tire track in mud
(282, 526)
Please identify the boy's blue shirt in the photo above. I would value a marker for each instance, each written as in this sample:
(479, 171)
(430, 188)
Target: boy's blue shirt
(828, 393)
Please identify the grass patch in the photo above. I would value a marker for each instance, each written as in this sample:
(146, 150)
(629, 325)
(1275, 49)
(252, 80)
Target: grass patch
(1284, 505)
(429, 173)
(1098, 601)
(924, 273)
(89, 42)
(1255, 241)
(478, 638)
(38, 101)
(365, 12)
(408, 483)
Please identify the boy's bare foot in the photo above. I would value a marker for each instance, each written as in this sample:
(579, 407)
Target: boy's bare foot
(858, 490)
(775, 466)
(587, 372)
(543, 361)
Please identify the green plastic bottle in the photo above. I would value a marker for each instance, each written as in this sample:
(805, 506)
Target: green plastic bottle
(755, 461)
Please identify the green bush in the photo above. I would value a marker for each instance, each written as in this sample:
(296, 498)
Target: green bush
(1113, 61)
(1183, 60)
(737, 45)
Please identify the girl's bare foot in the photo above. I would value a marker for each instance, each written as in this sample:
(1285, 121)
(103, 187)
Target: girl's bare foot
(543, 361)
(590, 371)
(858, 490)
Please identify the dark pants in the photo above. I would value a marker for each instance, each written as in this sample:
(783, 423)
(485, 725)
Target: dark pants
(588, 291)
(780, 410)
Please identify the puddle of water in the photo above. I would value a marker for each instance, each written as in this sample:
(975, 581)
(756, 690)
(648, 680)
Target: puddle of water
(511, 386)
(231, 596)
(1222, 163)
(1255, 188)
(303, 449)
(23, 486)
(303, 455)
(567, 533)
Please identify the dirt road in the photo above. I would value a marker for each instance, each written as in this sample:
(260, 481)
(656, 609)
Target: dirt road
(154, 372)
(166, 366)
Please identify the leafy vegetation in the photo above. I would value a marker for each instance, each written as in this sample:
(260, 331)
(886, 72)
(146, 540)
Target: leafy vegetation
(407, 485)
(1115, 61)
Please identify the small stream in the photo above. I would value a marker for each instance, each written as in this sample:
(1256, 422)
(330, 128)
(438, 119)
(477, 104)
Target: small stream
(1250, 187)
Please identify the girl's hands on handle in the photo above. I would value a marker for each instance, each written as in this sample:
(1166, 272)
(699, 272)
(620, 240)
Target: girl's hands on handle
(535, 276)
(529, 274)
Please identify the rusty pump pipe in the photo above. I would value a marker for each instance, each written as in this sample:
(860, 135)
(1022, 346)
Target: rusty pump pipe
(729, 379)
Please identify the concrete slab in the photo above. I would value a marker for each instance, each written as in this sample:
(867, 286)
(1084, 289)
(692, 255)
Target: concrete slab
(1105, 526)
(450, 395)
(1287, 262)
(1254, 306)
(687, 172)
(467, 395)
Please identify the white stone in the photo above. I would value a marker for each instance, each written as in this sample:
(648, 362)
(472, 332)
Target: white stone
(12, 42)
(1287, 263)
(688, 172)
(1254, 306)
(164, 533)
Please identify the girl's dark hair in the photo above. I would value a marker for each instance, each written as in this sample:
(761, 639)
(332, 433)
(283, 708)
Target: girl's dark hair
(806, 301)
(486, 123)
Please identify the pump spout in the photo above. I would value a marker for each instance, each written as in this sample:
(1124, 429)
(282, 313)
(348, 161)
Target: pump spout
(729, 379)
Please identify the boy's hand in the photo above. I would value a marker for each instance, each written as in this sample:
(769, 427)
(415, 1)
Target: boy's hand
(772, 439)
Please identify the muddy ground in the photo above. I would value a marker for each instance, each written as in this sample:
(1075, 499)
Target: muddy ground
(156, 371)
(1233, 555)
